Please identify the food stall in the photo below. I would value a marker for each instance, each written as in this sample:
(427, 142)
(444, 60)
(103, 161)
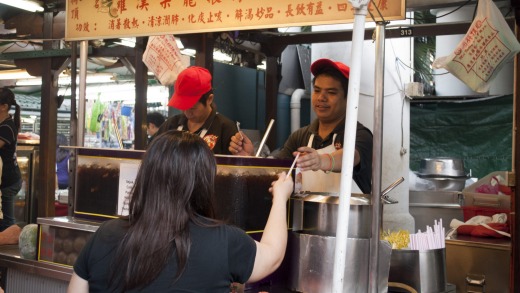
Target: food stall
(103, 180)
(87, 212)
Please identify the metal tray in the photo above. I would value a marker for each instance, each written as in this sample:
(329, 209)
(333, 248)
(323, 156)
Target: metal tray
(71, 223)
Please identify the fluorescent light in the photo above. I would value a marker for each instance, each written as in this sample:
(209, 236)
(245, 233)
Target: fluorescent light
(28, 5)
(188, 52)
(121, 92)
(14, 74)
(129, 42)
(29, 82)
(65, 79)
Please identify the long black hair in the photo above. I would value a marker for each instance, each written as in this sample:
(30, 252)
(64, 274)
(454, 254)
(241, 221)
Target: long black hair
(7, 97)
(174, 185)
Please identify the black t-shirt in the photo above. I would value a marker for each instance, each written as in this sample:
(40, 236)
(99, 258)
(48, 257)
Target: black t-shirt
(219, 130)
(11, 171)
(362, 172)
(218, 256)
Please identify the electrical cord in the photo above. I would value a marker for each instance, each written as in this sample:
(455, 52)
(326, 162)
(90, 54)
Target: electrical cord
(415, 70)
(448, 13)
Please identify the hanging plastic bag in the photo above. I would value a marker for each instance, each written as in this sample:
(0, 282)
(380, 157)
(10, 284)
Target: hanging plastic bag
(485, 49)
(97, 116)
(164, 59)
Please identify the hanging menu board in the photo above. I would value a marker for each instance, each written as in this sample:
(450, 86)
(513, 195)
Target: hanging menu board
(99, 19)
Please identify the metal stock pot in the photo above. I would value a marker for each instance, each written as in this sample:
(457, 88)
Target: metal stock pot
(317, 214)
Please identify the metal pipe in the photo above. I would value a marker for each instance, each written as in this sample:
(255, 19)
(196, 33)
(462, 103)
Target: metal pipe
(73, 102)
(295, 105)
(377, 155)
(349, 140)
(83, 54)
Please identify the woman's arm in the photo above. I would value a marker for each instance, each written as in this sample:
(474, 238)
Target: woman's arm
(270, 251)
(77, 285)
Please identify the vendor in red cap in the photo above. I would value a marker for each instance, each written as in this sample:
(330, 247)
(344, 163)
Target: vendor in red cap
(193, 95)
(320, 144)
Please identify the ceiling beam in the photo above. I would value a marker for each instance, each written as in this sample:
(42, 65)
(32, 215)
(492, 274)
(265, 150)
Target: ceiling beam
(401, 31)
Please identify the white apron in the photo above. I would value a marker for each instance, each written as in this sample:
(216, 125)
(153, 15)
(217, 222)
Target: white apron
(319, 181)
(201, 134)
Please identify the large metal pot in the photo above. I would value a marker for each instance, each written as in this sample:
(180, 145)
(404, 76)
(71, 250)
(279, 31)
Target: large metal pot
(317, 214)
(312, 242)
(312, 264)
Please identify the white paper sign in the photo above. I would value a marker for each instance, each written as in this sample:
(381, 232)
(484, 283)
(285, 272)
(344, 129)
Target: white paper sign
(127, 175)
(164, 59)
(486, 48)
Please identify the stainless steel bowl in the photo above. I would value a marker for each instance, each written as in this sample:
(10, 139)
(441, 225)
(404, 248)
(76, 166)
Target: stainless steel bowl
(447, 184)
(442, 167)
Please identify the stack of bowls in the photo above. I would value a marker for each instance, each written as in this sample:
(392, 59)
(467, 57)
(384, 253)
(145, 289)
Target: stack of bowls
(446, 173)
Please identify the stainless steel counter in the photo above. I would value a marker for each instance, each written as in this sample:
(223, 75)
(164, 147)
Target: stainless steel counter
(428, 206)
(478, 264)
(25, 275)
(10, 258)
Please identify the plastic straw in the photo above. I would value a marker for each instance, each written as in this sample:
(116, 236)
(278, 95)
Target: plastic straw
(266, 134)
(292, 166)
(238, 128)
(432, 238)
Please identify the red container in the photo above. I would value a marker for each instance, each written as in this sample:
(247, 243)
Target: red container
(471, 211)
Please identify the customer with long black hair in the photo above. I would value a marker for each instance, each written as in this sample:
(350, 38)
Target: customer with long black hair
(170, 241)
(11, 176)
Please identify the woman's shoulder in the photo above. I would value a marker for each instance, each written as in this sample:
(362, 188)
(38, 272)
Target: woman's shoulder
(113, 230)
(217, 230)
(8, 126)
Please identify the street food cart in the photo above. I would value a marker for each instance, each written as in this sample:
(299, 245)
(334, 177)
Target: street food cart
(60, 268)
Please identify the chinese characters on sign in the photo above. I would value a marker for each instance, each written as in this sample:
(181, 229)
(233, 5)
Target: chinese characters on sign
(96, 19)
(481, 50)
(164, 59)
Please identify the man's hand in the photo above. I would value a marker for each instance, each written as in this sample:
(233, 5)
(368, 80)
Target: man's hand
(241, 145)
(309, 159)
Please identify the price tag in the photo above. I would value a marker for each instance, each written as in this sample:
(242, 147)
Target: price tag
(127, 175)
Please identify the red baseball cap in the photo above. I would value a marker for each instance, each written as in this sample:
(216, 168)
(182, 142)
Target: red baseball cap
(321, 64)
(191, 84)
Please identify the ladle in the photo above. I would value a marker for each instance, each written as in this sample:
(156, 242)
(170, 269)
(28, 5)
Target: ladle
(387, 199)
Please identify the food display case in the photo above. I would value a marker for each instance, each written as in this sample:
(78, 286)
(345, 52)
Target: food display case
(242, 189)
(104, 179)
(27, 154)
(62, 238)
